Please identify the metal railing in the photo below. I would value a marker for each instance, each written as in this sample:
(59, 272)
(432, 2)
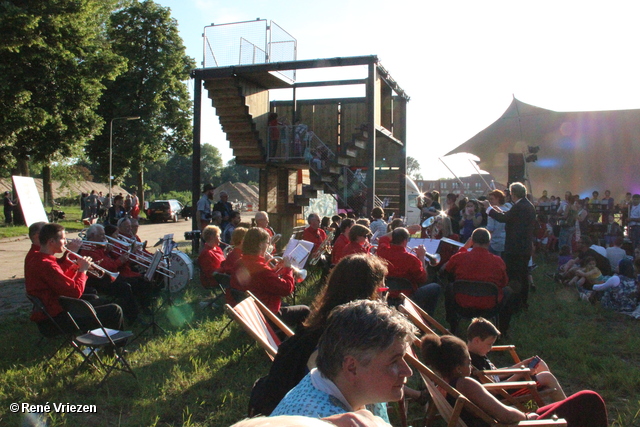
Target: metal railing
(248, 43)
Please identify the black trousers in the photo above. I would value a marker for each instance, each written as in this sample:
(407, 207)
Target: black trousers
(518, 272)
(110, 315)
(119, 289)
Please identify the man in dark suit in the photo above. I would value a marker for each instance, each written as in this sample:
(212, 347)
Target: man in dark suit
(519, 226)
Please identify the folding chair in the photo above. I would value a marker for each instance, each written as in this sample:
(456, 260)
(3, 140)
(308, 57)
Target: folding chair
(99, 338)
(469, 288)
(54, 332)
(439, 390)
(250, 313)
(421, 318)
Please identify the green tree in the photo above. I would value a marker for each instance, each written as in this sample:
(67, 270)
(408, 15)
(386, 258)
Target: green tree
(239, 173)
(153, 88)
(413, 168)
(54, 59)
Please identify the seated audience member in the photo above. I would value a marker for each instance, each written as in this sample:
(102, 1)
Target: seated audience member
(211, 257)
(358, 243)
(252, 273)
(342, 241)
(481, 266)
(482, 334)
(586, 249)
(361, 418)
(620, 292)
(615, 253)
(360, 362)
(587, 276)
(234, 255)
(296, 356)
(406, 265)
(449, 356)
(48, 279)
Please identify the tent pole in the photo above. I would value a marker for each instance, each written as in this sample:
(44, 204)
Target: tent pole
(478, 170)
(445, 165)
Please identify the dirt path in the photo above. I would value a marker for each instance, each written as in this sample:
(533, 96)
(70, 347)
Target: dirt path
(14, 249)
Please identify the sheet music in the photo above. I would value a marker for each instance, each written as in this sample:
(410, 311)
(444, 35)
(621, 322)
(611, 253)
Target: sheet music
(452, 242)
(298, 251)
(100, 333)
(431, 245)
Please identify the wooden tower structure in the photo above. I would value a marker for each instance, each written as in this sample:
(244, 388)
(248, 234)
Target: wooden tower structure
(353, 147)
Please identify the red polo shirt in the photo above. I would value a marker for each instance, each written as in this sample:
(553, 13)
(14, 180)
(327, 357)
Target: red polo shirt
(210, 260)
(253, 274)
(404, 264)
(47, 280)
(478, 265)
(315, 236)
(336, 253)
(354, 248)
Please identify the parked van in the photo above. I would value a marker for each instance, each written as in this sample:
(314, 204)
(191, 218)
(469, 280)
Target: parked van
(412, 214)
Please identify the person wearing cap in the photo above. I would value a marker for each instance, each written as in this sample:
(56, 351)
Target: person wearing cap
(8, 207)
(203, 212)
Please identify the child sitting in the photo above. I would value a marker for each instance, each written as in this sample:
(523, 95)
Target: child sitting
(587, 276)
(564, 256)
(482, 334)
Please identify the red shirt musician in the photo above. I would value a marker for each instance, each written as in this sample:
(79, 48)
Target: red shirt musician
(342, 240)
(358, 243)
(269, 285)
(48, 279)
(211, 258)
(478, 265)
(313, 233)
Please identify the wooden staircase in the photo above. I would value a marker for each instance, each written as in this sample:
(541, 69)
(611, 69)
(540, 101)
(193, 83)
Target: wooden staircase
(239, 105)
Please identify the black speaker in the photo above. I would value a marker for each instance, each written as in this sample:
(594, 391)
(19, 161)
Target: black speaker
(516, 168)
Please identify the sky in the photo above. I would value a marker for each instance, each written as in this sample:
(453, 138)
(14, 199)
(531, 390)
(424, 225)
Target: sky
(461, 62)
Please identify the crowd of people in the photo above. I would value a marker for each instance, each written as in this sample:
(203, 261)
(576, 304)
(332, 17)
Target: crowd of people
(95, 206)
(347, 353)
(323, 369)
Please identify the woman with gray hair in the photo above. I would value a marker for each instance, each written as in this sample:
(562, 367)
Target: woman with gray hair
(360, 363)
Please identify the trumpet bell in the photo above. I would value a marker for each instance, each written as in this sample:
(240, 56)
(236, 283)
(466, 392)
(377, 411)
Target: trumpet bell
(301, 275)
(434, 259)
(428, 222)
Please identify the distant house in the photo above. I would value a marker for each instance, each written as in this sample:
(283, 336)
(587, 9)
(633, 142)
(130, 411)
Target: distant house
(471, 186)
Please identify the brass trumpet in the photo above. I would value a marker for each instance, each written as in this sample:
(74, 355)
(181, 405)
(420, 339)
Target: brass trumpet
(94, 269)
(434, 259)
(276, 263)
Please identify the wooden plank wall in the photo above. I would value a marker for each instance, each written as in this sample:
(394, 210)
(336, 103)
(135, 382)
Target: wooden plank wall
(354, 115)
(257, 99)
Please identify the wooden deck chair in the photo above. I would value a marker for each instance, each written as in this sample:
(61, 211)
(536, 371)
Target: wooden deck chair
(252, 315)
(439, 390)
(486, 377)
(421, 318)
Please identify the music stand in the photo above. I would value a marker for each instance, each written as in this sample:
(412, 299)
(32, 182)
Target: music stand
(162, 255)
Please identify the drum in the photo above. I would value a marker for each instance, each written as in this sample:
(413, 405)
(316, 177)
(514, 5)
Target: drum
(182, 266)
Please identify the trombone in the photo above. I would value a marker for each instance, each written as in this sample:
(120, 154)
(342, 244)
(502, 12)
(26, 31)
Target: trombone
(141, 258)
(94, 269)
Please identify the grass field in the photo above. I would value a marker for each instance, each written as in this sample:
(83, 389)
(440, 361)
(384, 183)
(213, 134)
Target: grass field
(72, 222)
(194, 374)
